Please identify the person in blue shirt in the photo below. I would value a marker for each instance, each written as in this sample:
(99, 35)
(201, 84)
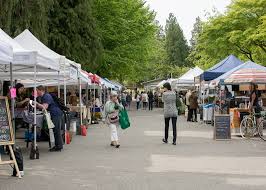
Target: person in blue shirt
(56, 116)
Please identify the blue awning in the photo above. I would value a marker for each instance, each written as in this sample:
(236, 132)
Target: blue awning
(220, 68)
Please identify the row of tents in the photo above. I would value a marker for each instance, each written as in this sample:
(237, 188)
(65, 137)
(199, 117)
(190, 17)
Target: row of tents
(27, 60)
(230, 70)
(34, 63)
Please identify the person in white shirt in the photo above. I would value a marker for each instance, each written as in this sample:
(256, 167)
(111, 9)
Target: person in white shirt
(145, 100)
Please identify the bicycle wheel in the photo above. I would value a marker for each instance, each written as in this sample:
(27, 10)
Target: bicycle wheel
(247, 128)
(262, 130)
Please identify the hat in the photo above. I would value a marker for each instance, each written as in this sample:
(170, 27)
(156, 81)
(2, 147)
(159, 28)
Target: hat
(113, 93)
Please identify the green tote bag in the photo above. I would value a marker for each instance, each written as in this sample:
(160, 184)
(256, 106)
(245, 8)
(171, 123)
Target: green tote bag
(124, 119)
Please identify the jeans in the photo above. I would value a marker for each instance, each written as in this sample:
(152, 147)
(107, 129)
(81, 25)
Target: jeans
(167, 120)
(138, 105)
(57, 120)
(151, 105)
(128, 105)
(191, 113)
(145, 105)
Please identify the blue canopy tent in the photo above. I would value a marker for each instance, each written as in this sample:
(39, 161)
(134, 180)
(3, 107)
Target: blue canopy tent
(220, 68)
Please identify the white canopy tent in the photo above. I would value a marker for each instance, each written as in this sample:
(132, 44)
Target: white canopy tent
(25, 60)
(68, 69)
(188, 79)
(6, 53)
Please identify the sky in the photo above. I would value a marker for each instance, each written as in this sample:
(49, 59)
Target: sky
(186, 11)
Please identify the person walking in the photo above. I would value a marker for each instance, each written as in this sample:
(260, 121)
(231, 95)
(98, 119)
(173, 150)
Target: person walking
(49, 104)
(170, 111)
(145, 100)
(112, 108)
(151, 100)
(137, 97)
(193, 105)
(188, 94)
(123, 99)
(129, 100)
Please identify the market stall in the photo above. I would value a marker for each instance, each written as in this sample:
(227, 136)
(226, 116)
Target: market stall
(25, 60)
(243, 80)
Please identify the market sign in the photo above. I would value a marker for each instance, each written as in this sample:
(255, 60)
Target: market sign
(222, 130)
(6, 133)
(6, 130)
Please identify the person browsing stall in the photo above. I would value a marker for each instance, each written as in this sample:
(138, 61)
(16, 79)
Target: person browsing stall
(21, 101)
(56, 116)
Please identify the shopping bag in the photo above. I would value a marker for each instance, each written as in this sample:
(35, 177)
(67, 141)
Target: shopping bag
(83, 130)
(48, 119)
(50, 125)
(124, 119)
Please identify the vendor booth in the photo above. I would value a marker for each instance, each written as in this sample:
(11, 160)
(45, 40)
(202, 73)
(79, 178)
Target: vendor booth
(26, 60)
(240, 81)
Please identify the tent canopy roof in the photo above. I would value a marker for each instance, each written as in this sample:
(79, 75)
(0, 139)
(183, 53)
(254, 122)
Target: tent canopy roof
(191, 74)
(220, 68)
(246, 65)
(24, 59)
(28, 41)
(6, 53)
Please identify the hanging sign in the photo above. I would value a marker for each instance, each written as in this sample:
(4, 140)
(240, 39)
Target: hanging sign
(13, 92)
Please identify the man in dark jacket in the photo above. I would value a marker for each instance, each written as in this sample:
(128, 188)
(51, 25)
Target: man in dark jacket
(193, 105)
(56, 116)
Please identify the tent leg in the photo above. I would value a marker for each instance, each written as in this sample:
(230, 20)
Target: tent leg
(34, 150)
(58, 88)
(80, 100)
(12, 102)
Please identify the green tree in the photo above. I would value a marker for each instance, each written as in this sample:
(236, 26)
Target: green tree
(176, 44)
(197, 30)
(240, 31)
(72, 32)
(126, 30)
(16, 16)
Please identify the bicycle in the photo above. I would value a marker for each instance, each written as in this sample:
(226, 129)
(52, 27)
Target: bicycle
(249, 127)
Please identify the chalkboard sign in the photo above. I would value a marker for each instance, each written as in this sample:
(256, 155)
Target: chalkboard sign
(6, 130)
(222, 129)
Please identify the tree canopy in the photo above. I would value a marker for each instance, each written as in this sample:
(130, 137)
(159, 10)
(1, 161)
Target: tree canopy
(240, 31)
(176, 44)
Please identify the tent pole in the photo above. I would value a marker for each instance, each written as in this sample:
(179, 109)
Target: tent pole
(12, 102)
(80, 100)
(65, 95)
(35, 108)
(87, 103)
(58, 87)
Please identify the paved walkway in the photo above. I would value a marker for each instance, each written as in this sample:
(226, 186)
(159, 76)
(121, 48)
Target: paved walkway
(144, 162)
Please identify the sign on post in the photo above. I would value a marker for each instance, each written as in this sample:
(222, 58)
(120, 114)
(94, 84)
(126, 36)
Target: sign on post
(6, 130)
(222, 130)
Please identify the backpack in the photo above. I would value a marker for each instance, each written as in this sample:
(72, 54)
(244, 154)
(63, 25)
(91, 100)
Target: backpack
(60, 103)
